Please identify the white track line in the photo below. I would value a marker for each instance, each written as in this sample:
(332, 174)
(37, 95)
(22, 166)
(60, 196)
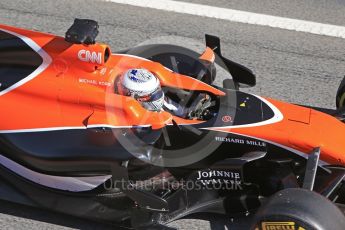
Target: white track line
(239, 16)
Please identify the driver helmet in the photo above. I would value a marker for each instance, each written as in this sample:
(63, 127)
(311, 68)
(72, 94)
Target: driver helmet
(143, 86)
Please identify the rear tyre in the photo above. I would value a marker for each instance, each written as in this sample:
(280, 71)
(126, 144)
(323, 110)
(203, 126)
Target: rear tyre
(340, 99)
(299, 209)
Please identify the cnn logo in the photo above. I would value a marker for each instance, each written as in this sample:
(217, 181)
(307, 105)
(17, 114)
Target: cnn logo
(88, 56)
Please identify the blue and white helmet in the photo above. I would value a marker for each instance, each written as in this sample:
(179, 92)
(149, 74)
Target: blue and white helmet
(145, 87)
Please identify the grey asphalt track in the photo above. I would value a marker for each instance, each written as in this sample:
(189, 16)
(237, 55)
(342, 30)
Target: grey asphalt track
(323, 11)
(292, 66)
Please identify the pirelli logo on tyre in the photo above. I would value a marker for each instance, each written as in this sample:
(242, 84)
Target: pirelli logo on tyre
(280, 226)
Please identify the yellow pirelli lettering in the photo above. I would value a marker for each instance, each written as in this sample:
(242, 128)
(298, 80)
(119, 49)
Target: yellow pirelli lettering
(279, 226)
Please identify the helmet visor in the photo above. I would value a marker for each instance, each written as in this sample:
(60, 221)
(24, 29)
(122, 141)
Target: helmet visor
(153, 101)
(154, 96)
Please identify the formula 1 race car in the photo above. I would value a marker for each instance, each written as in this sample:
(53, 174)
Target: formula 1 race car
(70, 143)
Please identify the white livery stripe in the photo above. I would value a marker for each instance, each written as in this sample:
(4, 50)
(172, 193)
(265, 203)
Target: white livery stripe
(42, 129)
(46, 61)
(239, 16)
(73, 184)
(70, 128)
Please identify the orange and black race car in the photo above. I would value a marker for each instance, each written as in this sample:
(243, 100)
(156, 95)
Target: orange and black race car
(71, 143)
